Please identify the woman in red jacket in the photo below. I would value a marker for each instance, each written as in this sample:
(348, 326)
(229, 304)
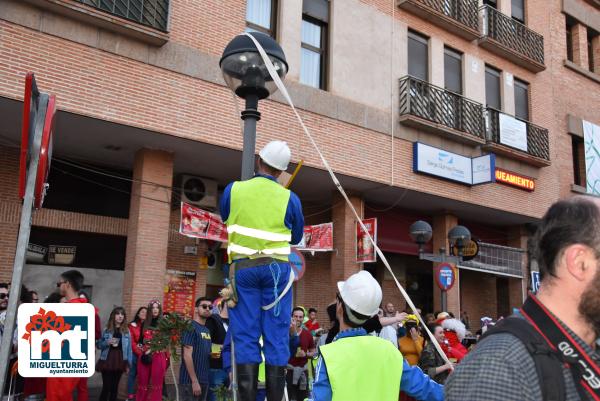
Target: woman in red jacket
(135, 329)
(152, 366)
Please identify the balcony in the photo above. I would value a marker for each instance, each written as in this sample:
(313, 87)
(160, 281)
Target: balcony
(457, 16)
(434, 109)
(503, 137)
(511, 39)
(497, 259)
(152, 13)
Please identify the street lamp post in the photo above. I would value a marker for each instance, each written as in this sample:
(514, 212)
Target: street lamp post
(246, 74)
(459, 237)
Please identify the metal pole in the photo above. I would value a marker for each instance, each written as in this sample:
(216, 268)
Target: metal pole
(250, 116)
(444, 301)
(22, 242)
(234, 385)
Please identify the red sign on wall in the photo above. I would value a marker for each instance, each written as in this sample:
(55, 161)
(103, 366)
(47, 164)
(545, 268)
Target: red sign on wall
(365, 250)
(515, 180)
(180, 290)
(198, 223)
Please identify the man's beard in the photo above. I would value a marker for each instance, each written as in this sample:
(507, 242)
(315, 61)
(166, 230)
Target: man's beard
(589, 306)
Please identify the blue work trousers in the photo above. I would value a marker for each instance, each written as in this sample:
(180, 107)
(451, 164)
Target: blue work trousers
(248, 321)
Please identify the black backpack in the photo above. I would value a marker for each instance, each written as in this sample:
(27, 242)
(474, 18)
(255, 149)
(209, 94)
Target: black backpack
(547, 362)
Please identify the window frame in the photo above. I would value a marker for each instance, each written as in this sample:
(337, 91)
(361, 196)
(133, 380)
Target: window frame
(524, 20)
(323, 51)
(522, 84)
(272, 31)
(453, 53)
(423, 39)
(578, 161)
(498, 74)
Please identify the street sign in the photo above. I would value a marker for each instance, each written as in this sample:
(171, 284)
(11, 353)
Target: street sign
(41, 182)
(298, 263)
(30, 111)
(444, 276)
(535, 282)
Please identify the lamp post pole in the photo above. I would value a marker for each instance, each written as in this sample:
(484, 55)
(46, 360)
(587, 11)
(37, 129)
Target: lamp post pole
(251, 116)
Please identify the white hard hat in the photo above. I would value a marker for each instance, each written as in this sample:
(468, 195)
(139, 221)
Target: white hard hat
(276, 154)
(361, 293)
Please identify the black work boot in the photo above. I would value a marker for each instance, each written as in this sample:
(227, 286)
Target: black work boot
(247, 381)
(275, 376)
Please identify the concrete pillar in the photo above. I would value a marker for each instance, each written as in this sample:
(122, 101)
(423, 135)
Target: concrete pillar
(474, 81)
(580, 48)
(436, 61)
(507, 87)
(148, 229)
(343, 258)
(596, 53)
(505, 7)
(290, 35)
(441, 225)
(517, 238)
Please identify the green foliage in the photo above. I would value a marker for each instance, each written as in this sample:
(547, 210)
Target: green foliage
(167, 337)
(222, 393)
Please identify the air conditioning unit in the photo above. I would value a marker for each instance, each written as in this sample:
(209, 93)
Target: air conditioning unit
(198, 191)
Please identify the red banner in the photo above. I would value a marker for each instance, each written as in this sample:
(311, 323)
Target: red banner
(180, 290)
(365, 251)
(317, 238)
(199, 223)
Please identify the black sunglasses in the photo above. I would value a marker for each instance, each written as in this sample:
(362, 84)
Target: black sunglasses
(205, 306)
(3, 295)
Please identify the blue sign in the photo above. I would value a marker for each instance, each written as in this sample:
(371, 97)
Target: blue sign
(444, 276)
(535, 282)
(452, 166)
(298, 263)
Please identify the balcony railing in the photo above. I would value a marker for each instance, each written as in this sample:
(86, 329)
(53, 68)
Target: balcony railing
(459, 16)
(537, 138)
(497, 259)
(447, 109)
(152, 13)
(526, 46)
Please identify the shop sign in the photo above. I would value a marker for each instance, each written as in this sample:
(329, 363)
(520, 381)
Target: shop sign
(298, 263)
(515, 180)
(179, 292)
(61, 255)
(198, 223)
(317, 238)
(591, 139)
(365, 250)
(36, 253)
(469, 252)
(445, 276)
(513, 132)
(452, 166)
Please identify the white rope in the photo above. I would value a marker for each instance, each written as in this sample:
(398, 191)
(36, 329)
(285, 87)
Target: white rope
(338, 185)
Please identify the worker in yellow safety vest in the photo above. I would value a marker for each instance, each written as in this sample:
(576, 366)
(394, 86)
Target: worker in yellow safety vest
(263, 219)
(359, 367)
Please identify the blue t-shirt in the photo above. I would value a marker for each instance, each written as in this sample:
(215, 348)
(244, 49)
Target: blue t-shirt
(199, 340)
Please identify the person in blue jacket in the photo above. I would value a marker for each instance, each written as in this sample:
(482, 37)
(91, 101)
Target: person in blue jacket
(358, 367)
(263, 218)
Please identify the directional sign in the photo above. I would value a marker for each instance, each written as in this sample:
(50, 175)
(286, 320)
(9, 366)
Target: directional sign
(444, 276)
(535, 282)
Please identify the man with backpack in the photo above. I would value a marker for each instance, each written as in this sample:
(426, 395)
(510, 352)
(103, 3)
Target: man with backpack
(547, 351)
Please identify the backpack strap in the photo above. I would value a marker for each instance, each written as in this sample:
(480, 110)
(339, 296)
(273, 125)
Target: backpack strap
(548, 364)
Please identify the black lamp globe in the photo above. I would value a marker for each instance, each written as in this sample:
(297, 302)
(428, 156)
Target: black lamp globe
(420, 232)
(243, 68)
(459, 236)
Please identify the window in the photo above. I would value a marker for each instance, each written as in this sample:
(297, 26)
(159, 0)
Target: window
(261, 16)
(569, 26)
(452, 70)
(518, 10)
(492, 88)
(491, 3)
(312, 68)
(578, 160)
(590, 39)
(521, 100)
(418, 56)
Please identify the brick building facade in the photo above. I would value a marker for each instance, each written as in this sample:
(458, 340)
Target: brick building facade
(147, 102)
